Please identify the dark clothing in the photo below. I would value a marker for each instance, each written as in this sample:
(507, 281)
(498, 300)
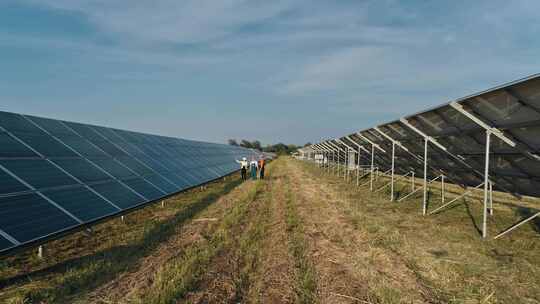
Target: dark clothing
(253, 172)
(243, 172)
(261, 173)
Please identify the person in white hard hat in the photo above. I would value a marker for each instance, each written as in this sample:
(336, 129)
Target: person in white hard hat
(254, 166)
(243, 167)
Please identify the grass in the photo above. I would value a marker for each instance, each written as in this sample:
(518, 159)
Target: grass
(450, 261)
(181, 275)
(306, 283)
(77, 264)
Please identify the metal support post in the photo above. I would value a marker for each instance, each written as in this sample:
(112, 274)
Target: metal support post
(358, 168)
(40, 252)
(372, 167)
(162, 204)
(490, 198)
(424, 201)
(122, 218)
(393, 167)
(486, 185)
(442, 189)
(412, 181)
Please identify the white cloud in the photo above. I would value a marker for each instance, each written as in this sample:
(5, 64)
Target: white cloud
(186, 21)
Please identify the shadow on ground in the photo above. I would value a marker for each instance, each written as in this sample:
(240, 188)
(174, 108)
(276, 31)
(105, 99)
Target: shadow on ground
(96, 269)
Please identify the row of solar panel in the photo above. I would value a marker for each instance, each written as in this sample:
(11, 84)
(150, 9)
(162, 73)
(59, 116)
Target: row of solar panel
(513, 109)
(56, 175)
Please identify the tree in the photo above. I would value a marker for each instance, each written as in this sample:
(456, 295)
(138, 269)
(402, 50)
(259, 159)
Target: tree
(246, 144)
(256, 145)
(232, 142)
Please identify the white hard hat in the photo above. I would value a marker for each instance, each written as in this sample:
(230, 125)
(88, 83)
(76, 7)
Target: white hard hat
(243, 158)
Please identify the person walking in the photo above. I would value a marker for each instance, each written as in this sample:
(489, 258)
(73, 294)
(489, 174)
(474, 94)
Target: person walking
(254, 165)
(243, 167)
(261, 167)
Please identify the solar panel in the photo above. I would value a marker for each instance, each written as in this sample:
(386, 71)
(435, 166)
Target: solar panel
(39, 173)
(82, 203)
(503, 122)
(56, 176)
(30, 216)
(82, 169)
(5, 243)
(13, 148)
(146, 189)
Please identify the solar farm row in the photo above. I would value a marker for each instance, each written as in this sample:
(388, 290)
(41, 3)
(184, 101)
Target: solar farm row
(490, 140)
(56, 176)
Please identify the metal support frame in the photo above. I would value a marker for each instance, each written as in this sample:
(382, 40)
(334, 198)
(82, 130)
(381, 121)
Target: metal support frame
(442, 189)
(347, 159)
(394, 143)
(424, 200)
(358, 168)
(427, 140)
(418, 189)
(373, 146)
(338, 149)
(457, 198)
(487, 183)
(372, 167)
(393, 171)
(530, 218)
(40, 252)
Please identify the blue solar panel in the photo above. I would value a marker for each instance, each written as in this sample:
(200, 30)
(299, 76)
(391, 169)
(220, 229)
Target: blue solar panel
(114, 168)
(5, 244)
(10, 184)
(162, 183)
(55, 127)
(27, 217)
(82, 169)
(9, 147)
(38, 172)
(17, 123)
(83, 173)
(119, 194)
(135, 165)
(45, 145)
(144, 188)
(82, 203)
(82, 146)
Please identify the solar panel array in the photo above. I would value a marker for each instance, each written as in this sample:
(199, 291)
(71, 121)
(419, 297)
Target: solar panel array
(56, 176)
(512, 110)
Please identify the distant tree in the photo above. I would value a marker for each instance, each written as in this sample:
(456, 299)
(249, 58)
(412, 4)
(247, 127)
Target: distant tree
(246, 144)
(232, 142)
(256, 145)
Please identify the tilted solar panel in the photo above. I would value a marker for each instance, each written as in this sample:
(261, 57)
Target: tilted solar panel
(490, 139)
(58, 176)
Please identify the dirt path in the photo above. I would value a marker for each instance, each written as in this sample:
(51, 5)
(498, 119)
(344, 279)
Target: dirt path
(275, 276)
(255, 266)
(131, 284)
(349, 268)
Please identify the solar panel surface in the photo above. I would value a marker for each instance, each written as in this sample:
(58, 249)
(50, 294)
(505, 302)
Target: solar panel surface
(56, 176)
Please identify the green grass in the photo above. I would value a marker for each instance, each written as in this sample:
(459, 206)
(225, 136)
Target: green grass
(181, 275)
(79, 263)
(306, 282)
(444, 251)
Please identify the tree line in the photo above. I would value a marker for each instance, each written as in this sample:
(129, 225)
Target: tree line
(279, 148)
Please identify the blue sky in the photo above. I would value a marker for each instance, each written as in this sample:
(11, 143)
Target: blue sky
(291, 71)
